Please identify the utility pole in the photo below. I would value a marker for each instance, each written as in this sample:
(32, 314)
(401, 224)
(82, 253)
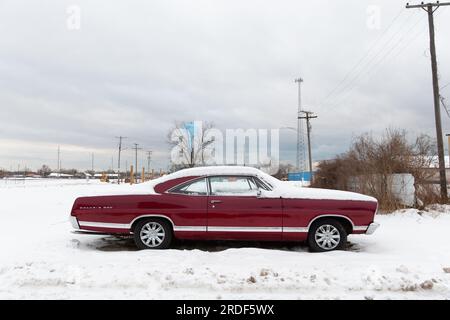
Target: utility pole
(59, 162)
(308, 115)
(136, 157)
(92, 163)
(430, 8)
(149, 159)
(118, 161)
(300, 142)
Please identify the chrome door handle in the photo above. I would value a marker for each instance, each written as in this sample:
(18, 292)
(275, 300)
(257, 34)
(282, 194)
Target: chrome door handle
(216, 201)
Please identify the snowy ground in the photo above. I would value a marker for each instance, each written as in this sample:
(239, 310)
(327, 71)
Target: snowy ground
(40, 258)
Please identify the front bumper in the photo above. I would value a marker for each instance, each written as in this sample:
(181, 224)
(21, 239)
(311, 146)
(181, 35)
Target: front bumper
(372, 227)
(74, 222)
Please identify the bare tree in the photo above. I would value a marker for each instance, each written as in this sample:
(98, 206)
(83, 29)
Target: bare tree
(283, 171)
(370, 163)
(44, 170)
(189, 149)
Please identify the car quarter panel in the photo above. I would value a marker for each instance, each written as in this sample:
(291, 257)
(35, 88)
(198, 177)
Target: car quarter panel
(299, 213)
(115, 214)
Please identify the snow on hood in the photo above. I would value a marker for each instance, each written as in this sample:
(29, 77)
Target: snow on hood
(287, 191)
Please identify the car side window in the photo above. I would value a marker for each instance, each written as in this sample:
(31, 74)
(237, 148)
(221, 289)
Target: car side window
(232, 186)
(197, 188)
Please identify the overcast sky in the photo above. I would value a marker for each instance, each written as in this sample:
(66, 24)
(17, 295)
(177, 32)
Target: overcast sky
(135, 67)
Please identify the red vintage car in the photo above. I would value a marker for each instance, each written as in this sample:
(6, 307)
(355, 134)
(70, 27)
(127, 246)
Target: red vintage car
(227, 203)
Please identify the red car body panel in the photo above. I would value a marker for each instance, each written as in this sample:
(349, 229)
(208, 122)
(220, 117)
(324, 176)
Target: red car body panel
(247, 212)
(301, 212)
(218, 217)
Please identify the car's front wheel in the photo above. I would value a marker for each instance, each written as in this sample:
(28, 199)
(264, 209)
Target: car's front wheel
(152, 234)
(327, 235)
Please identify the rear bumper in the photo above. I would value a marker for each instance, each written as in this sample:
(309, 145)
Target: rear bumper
(74, 222)
(372, 227)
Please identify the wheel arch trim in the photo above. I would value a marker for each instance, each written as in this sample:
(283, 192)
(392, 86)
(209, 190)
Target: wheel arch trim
(130, 225)
(175, 228)
(333, 216)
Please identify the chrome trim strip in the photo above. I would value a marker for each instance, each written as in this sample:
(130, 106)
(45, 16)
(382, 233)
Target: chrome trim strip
(331, 215)
(295, 229)
(104, 225)
(245, 229)
(149, 216)
(187, 229)
(77, 224)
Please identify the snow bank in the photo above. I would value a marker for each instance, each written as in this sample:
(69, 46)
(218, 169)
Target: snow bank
(40, 258)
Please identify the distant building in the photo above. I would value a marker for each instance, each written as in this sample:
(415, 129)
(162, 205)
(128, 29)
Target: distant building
(107, 175)
(83, 175)
(60, 175)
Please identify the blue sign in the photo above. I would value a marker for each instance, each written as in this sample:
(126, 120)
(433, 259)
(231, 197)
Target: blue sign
(190, 127)
(299, 176)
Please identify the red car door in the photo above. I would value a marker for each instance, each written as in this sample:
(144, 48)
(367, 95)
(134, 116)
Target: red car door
(236, 212)
(186, 205)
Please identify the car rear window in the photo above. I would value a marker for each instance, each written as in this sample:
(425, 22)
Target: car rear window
(197, 187)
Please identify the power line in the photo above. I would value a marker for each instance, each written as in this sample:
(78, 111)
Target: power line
(374, 43)
(446, 108)
(376, 64)
(408, 43)
(383, 58)
(414, 37)
(373, 57)
(369, 64)
(369, 72)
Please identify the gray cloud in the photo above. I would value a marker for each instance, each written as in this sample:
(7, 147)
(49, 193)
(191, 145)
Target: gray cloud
(135, 67)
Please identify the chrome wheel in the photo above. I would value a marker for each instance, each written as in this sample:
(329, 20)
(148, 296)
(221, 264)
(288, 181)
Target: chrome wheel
(327, 237)
(152, 234)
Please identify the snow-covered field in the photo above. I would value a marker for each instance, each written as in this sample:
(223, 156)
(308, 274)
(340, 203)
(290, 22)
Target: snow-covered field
(407, 258)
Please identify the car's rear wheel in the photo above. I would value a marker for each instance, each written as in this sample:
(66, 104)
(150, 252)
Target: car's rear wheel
(327, 235)
(152, 234)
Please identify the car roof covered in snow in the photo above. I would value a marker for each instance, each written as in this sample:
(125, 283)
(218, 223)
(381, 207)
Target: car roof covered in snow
(166, 182)
(215, 170)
